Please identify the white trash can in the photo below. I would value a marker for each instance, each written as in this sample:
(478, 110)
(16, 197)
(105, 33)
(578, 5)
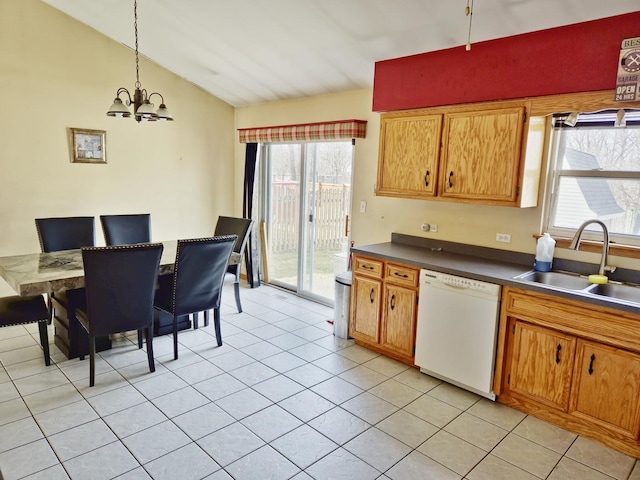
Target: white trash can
(341, 309)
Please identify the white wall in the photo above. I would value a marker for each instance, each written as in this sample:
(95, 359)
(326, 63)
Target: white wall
(57, 73)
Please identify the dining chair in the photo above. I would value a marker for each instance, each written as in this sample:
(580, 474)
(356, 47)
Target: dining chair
(242, 228)
(64, 233)
(17, 310)
(196, 282)
(126, 229)
(120, 284)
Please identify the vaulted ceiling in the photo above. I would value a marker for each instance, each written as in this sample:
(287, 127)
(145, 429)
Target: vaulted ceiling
(253, 51)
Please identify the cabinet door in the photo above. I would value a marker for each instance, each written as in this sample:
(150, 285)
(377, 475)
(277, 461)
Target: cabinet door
(481, 154)
(399, 319)
(364, 323)
(542, 364)
(408, 156)
(606, 387)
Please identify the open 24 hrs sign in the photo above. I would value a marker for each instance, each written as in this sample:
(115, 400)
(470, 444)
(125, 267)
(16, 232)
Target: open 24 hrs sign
(628, 82)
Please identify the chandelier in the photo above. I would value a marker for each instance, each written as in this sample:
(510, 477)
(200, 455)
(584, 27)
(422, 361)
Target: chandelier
(143, 109)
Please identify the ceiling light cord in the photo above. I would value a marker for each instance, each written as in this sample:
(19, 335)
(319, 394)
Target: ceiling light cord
(468, 11)
(135, 31)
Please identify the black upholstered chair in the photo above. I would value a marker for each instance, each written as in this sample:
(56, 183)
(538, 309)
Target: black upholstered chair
(242, 228)
(196, 282)
(65, 233)
(126, 229)
(17, 310)
(120, 284)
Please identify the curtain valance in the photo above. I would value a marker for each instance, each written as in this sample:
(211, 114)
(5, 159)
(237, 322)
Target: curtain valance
(306, 132)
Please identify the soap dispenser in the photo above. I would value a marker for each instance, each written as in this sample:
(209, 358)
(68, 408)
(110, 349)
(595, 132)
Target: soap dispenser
(544, 253)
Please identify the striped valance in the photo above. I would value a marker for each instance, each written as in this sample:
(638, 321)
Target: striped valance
(305, 132)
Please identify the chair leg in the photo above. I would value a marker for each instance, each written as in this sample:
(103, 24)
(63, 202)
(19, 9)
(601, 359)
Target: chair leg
(152, 363)
(206, 318)
(175, 337)
(92, 360)
(195, 321)
(44, 341)
(236, 291)
(139, 338)
(216, 322)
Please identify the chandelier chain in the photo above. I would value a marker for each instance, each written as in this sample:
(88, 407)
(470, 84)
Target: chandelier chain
(135, 29)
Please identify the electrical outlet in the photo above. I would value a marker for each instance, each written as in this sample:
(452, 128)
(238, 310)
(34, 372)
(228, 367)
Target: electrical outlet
(433, 227)
(363, 206)
(503, 237)
(425, 227)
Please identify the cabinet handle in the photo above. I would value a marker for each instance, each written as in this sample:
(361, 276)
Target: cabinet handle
(401, 275)
(450, 182)
(426, 178)
(558, 348)
(593, 357)
(392, 303)
(371, 295)
(366, 267)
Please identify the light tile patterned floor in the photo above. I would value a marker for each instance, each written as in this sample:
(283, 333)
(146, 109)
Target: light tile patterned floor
(282, 398)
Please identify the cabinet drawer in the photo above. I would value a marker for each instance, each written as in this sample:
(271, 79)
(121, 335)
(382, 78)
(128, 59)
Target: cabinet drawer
(367, 266)
(402, 275)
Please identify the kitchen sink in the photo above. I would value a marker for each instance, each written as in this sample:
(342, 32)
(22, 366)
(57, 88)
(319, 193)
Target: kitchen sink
(556, 279)
(616, 290)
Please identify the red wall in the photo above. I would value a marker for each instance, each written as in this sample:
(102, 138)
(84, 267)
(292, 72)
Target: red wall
(575, 58)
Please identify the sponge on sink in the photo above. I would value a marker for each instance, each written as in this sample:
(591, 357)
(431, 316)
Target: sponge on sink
(599, 279)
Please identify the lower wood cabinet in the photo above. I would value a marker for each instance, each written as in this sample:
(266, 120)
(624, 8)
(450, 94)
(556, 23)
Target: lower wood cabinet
(542, 364)
(606, 388)
(384, 299)
(366, 294)
(572, 364)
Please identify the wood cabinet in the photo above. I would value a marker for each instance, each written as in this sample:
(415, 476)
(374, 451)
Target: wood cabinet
(488, 153)
(572, 364)
(542, 364)
(384, 298)
(481, 155)
(409, 149)
(607, 388)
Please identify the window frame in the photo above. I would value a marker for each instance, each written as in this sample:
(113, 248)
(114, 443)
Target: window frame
(556, 173)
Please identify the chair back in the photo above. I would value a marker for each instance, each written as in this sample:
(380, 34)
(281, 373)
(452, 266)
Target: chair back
(120, 283)
(65, 233)
(235, 226)
(126, 229)
(199, 273)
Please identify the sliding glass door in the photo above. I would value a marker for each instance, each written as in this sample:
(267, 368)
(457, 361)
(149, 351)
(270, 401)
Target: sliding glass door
(307, 198)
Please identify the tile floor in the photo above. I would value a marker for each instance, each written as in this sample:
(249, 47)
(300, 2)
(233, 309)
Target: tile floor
(282, 398)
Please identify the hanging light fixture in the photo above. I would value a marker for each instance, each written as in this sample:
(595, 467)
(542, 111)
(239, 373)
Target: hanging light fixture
(143, 109)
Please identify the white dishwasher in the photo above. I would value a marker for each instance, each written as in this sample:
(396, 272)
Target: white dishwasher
(457, 330)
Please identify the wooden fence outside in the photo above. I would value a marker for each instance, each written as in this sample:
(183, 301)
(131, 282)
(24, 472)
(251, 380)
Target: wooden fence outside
(331, 209)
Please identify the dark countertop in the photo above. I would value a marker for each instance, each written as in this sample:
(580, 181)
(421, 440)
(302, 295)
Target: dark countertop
(493, 266)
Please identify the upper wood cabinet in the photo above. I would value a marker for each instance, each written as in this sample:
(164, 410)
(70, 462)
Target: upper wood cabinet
(488, 153)
(409, 149)
(481, 155)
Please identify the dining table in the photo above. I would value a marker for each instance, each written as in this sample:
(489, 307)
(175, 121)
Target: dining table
(63, 272)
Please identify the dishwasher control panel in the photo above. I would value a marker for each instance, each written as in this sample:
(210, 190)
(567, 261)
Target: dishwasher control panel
(428, 276)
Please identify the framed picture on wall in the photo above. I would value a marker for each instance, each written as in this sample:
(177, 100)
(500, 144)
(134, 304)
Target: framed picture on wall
(88, 146)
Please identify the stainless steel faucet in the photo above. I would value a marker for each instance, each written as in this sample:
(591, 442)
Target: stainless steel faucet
(575, 244)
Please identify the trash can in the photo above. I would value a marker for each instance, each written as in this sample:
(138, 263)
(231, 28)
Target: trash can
(341, 309)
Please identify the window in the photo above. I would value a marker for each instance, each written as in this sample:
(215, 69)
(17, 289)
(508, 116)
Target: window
(595, 174)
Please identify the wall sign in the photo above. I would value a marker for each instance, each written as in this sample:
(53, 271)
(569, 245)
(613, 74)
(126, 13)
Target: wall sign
(628, 82)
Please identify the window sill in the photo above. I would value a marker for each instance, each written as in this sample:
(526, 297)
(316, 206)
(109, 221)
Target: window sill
(615, 249)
